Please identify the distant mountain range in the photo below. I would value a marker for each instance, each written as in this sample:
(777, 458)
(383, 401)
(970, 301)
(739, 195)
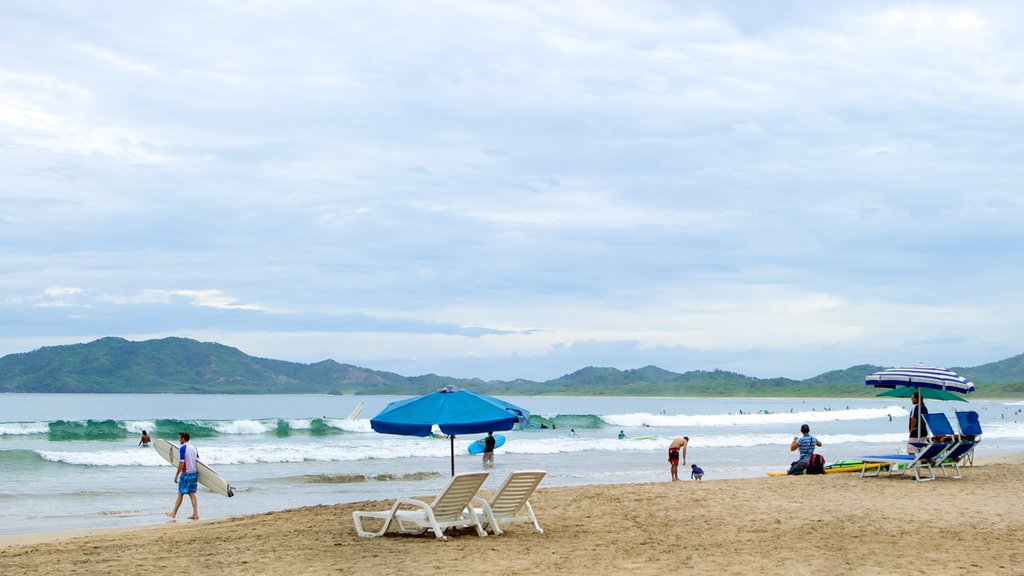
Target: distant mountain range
(181, 365)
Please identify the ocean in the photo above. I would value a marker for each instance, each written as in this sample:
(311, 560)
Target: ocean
(71, 461)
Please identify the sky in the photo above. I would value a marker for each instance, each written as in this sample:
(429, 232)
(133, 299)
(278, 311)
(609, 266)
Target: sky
(518, 189)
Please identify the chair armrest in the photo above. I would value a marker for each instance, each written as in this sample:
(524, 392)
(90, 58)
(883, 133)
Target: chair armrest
(412, 502)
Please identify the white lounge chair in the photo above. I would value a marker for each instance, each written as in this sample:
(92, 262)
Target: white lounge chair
(511, 502)
(449, 509)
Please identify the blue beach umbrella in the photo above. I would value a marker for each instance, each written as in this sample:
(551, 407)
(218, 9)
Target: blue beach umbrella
(452, 409)
(930, 382)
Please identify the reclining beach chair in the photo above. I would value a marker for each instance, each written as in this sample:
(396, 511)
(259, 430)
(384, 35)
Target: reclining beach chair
(952, 458)
(511, 502)
(449, 509)
(970, 429)
(958, 448)
(923, 459)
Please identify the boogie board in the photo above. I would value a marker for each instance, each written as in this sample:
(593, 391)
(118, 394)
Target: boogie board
(838, 467)
(639, 437)
(478, 446)
(204, 474)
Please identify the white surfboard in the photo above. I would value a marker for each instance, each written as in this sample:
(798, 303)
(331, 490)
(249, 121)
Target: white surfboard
(204, 474)
(355, 411)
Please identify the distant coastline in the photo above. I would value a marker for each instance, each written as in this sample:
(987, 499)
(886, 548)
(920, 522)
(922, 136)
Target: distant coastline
(181, 365)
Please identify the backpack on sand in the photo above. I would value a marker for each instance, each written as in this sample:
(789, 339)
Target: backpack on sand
(816, 465)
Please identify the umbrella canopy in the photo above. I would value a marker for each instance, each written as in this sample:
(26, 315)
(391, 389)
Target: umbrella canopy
(928, 381)
(454, 410)
(928, 393)
(920, 377)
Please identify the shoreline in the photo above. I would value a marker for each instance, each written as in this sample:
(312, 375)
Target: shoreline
(763, 525)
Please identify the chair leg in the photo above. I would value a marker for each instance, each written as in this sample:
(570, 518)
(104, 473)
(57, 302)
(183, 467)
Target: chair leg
(533, 518)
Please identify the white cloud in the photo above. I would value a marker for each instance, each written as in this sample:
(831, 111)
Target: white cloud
(694, 184)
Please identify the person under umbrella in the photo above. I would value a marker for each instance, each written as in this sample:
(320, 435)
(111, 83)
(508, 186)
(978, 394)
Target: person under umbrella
(917, 425)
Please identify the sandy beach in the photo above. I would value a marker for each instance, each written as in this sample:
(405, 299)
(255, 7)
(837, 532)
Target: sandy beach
(788, 525)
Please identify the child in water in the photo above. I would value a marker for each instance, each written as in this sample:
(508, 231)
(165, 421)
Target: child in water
(695, 472)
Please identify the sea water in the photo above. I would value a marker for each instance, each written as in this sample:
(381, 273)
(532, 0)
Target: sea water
(72, 461)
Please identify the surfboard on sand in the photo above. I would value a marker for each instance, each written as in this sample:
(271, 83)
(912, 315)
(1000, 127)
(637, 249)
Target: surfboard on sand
(204, 474)
(839, 467)
(478, 446)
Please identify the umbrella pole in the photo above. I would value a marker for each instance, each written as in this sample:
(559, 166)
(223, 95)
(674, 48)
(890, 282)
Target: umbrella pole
(452, 438)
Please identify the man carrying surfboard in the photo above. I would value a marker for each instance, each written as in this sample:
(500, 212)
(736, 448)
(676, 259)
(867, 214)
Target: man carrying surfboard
(489, 443)
(185, 475)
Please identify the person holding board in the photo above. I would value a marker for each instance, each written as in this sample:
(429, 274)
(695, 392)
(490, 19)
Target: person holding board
(185, 475)
(489, 443)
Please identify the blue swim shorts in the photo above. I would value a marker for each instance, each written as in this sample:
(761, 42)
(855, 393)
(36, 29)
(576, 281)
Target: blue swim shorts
(187, 483)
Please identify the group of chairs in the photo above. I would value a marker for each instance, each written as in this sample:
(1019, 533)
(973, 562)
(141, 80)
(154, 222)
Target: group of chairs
(458, 506)
(946, 450)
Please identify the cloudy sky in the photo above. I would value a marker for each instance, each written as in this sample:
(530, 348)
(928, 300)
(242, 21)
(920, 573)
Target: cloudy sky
(518, 189)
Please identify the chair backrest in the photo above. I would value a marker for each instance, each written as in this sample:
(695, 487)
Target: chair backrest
(931, 451)
(959, 451)
(969, 423)
(514, 492)
(939, 424)
(450, 503)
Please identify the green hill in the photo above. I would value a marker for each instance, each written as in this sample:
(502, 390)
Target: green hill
(181, 365)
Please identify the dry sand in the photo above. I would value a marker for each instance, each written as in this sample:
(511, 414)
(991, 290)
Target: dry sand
(788, 525)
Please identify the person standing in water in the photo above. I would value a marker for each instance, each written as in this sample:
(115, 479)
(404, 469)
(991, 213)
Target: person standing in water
(673, 455)
(145, 439)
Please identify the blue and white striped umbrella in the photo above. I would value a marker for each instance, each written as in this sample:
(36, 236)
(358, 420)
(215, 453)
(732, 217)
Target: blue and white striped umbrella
(921, 377)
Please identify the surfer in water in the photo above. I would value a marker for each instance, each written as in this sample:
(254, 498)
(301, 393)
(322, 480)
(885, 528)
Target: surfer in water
(145, 439)
(185, 475)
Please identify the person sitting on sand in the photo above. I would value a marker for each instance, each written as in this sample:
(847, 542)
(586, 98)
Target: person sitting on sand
(673, 454)
(145, 439)
(695, 472)
(805, 444)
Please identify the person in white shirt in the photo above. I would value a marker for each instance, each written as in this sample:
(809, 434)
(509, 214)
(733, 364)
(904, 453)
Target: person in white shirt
(185, 475)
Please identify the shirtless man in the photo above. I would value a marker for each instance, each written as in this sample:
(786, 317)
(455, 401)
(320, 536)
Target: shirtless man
(673, 455)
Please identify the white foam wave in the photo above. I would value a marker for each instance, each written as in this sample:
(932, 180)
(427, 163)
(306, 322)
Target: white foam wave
(349, 425)
(245, 427)
(300, 424)
(23, 428)
(640, 419)
(137, 426)
(1001, 429)
(136, 457)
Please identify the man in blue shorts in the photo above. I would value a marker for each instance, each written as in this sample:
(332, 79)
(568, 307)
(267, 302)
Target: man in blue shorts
(185, 475)
(805, 444)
